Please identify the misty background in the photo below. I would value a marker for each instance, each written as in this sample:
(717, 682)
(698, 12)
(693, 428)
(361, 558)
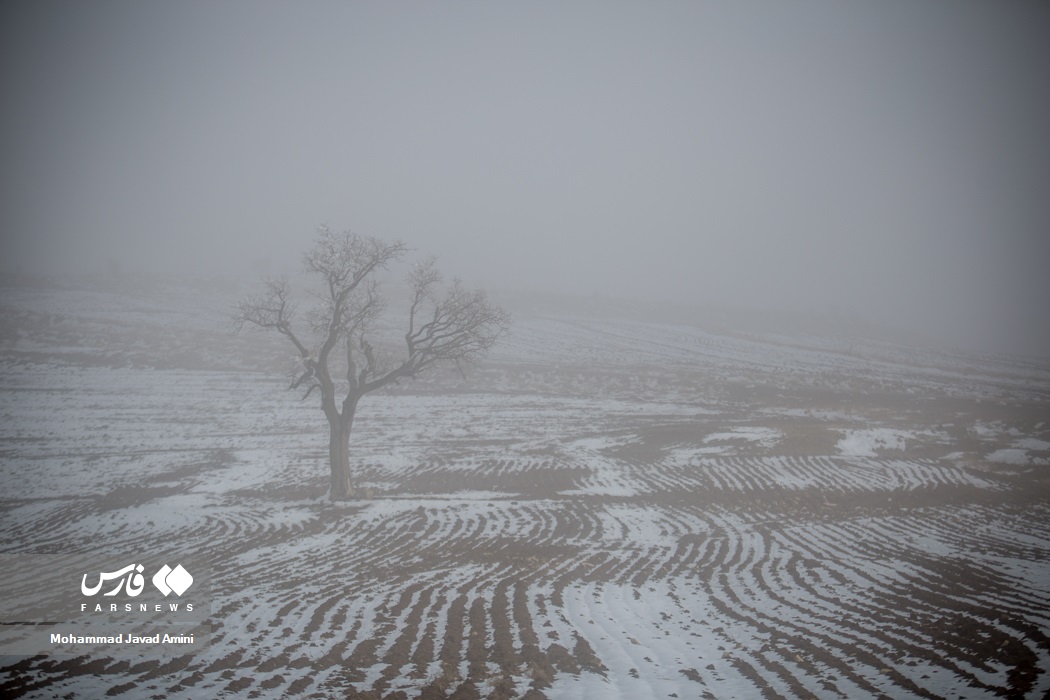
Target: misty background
(884, 161)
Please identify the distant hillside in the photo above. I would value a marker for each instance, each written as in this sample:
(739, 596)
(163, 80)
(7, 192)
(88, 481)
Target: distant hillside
(556, 344)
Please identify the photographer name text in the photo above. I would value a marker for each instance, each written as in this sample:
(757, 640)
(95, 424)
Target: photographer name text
(158, 638)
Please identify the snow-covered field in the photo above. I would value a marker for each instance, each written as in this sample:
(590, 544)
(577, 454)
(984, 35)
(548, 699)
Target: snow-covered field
(612, 506)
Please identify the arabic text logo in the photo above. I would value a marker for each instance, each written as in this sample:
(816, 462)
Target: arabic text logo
(133, 582)
(167, 581)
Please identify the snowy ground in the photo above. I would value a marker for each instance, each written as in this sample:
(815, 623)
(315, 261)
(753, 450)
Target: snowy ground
(610, 507)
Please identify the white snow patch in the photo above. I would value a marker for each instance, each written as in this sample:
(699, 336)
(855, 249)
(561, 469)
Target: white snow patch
(602, 488)
(596, 444)
(987, 430)
(450, 498)
(1016, 456)
(766, 437)
(867, 442)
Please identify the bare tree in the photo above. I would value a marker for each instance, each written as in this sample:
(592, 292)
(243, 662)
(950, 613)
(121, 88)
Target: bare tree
(452, 325)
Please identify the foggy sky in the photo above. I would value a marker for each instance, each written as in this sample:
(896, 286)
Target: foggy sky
(884, 159)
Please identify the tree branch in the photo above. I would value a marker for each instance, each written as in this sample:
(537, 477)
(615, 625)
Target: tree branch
(458, 326)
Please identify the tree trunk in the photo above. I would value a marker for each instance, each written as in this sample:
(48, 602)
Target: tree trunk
(339, 454)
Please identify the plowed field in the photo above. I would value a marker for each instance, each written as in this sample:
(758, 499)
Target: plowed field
(608, 508)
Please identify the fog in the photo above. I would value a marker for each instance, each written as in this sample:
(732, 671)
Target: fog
(885, 161)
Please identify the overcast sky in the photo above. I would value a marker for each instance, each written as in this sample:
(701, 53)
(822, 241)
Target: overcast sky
(885, 159)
